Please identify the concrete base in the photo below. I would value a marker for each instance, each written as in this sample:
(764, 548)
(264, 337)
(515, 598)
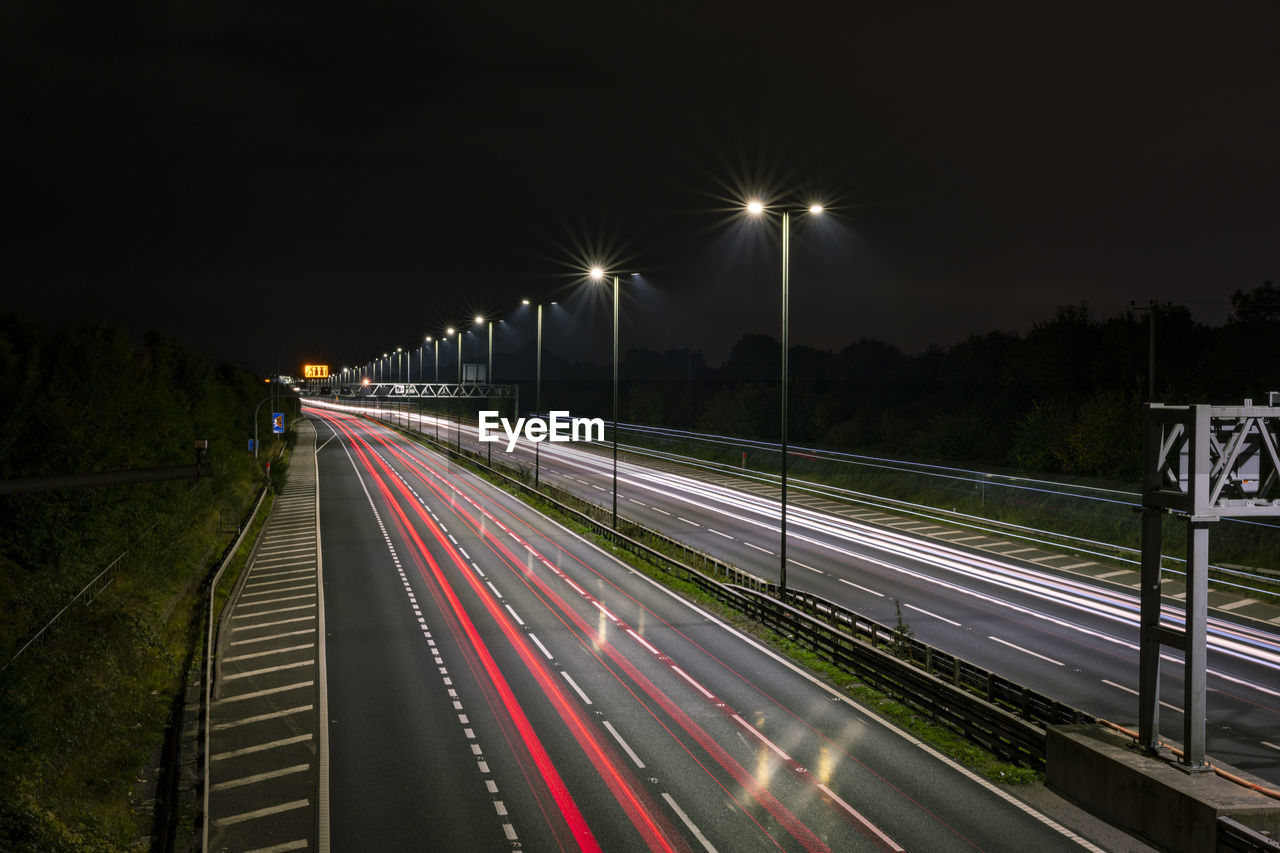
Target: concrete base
(1105, 773)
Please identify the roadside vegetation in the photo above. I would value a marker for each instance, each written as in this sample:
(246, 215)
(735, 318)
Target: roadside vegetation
(86, 706)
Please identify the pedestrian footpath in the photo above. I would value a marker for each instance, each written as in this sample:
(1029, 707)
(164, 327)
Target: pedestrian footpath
(263, 739)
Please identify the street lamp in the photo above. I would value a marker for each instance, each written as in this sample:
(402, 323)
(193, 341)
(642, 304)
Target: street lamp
(597, 275)
(756, 207)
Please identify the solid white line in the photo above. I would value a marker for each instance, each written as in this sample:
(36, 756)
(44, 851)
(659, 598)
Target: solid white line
(861, 587)
(279, 580)
(270, 624)
(270, 601)
(697, 833)
(272, 716)
(1026, 651)
(267, 692)
(267, 637)
(261, 777)
(254, 672)
(273, 565)
(631, 752)
(270, 613)
(261, 747)
(279, 589)
(889, 842)
(268, 653)
(267, 812)
(758, 548)
(934, 615)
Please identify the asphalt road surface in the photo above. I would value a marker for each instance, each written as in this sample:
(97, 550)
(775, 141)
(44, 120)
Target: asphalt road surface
(1061, 633)
(495, 682)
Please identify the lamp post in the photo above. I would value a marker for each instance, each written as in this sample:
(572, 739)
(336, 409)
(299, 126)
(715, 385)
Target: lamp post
(597, 274)
(755, 207)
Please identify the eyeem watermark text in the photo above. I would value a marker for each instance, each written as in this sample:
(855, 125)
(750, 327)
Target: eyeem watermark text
(557, 427)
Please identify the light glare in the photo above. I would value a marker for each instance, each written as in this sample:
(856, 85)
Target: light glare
(755, 207)
(815, 209)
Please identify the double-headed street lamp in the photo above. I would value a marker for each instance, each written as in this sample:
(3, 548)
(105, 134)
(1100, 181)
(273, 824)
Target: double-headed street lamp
(756, 207)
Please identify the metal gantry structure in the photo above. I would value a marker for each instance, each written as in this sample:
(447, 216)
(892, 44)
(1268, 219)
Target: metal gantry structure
(1201, 463)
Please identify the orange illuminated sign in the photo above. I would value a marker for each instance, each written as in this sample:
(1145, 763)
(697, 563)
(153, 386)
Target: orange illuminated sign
(315, 371)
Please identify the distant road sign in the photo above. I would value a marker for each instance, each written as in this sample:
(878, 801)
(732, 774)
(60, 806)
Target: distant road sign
(277, 423)
(315, 371)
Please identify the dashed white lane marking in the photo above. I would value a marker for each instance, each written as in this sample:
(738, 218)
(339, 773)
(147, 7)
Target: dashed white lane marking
(1272, 745)
(680, 672)
(803, 566)
(1162, 702)
(1106, 575)
(760, 736)
(687, 521)
(758, 548)
(889, 842)
(631, 753)
(861, 587)
(1026, 651)
(604, 610)
(697, 833)
(541, 647)
(515, 616)
(718, 533)
(576, 689)
(934, 615)
(642, 641)
(634, 501)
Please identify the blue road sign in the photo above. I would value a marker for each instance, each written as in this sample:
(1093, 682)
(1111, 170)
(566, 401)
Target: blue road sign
(277, 423)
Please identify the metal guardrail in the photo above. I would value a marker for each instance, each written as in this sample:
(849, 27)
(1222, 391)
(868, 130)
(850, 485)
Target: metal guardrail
(1000, 715)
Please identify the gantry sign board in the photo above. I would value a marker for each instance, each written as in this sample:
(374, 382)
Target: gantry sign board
(315, 371)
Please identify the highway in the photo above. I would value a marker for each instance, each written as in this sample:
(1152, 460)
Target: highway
(495, 682)
(1065, 636)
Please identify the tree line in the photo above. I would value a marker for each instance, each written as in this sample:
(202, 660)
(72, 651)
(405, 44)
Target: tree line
(1065, 398)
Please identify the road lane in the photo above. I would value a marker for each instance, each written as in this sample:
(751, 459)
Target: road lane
(609, 671)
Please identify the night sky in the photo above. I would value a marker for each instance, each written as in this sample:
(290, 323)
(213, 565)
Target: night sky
(320, 182)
